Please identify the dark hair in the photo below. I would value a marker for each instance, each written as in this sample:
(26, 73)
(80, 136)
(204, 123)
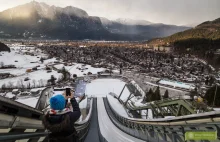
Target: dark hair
(64, 125)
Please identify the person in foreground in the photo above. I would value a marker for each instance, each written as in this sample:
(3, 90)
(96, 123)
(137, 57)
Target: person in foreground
(60, 119)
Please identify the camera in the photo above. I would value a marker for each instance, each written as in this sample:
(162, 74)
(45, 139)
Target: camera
(68, 92)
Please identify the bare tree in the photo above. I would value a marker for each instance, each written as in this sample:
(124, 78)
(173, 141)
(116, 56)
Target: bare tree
(42, 82)
(39, 83)
(1, 64)
(22, 83)
(29, 85)
(3, 87)
(34, 83)
(18, 85)
(10, 84)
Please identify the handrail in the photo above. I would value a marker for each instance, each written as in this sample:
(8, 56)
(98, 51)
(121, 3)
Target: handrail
(10, 121)
(9, 102)
(24, 117)
(13, 137)
(83, 126)
(88, 116)
(213, 116)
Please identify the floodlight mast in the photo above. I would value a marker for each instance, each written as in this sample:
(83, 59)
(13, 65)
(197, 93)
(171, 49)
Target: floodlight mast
(216, 87)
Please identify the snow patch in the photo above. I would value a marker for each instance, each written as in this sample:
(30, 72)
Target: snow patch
(117, 106)
(29, 101)
(102, 87)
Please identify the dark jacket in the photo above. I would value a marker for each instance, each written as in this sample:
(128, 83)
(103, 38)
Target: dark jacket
(62, 126)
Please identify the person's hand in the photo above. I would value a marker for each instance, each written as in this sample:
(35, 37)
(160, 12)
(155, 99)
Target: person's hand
(66, 97)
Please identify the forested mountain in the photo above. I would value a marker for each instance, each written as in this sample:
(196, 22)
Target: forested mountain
(203, 40)
(209, 30)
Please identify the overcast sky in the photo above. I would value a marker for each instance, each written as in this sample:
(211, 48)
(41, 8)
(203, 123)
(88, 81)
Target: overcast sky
(179, 12)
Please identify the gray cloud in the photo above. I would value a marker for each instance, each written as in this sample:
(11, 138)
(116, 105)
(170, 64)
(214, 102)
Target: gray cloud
(178, 12)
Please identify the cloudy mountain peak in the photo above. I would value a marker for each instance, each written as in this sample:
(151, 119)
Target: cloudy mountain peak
(42, 10)
(127, 21)
(50, 12)
(70, 10)
(105, 21)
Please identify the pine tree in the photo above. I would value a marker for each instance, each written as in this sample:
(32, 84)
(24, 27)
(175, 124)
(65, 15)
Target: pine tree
(209, 96)
(202, 69)
(211, 80)
(166, 94)
(52, 79)
(42, 60)
(64, 72)
(207, 81)
(3, 87)
(145, 96)
(149, 95)
(157, 95)
(192, 94)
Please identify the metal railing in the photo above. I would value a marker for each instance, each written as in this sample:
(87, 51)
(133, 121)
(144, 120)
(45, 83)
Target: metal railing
(31, 135)
(10, 107)
(16, 118)
(161, 130)
(82, 127)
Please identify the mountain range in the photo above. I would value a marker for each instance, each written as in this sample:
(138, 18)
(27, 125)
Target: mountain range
(206, 31)
(36, 20)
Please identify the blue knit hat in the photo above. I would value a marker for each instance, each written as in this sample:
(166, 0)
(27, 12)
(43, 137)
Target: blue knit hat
(57, 102)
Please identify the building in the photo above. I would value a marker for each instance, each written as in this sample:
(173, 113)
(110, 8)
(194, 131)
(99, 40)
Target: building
(166, 49)
(15, 91)
(29, 70)
(35, 91)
